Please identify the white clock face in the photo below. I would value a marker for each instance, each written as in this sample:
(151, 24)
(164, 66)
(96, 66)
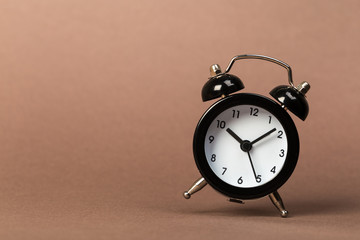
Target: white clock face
(246, 146)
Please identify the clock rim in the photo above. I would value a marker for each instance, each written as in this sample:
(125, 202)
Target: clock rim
(246, 99)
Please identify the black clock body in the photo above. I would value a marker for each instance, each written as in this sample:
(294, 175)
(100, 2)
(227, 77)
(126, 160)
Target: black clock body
(202, 160)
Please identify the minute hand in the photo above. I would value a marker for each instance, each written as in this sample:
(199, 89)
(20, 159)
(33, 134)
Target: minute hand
(264, 135)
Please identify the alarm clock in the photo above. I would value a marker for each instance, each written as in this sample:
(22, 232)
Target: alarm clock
(246, 145)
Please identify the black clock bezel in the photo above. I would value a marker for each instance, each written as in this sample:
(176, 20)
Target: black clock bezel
(246, 99)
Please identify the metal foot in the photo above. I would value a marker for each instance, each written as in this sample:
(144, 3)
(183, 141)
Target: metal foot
(197, 186)
(277, 201)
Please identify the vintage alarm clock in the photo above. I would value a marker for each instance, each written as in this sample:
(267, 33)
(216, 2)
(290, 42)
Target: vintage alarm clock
(246, 146)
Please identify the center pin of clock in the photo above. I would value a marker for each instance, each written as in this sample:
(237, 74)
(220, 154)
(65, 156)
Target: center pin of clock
(246, 146)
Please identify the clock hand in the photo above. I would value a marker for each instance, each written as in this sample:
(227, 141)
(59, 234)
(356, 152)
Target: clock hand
(246, 147)
(252, 165)
(264, 135)
(234, 136)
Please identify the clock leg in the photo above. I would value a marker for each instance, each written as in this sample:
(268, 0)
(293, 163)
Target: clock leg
(277, 201)
(197, 186)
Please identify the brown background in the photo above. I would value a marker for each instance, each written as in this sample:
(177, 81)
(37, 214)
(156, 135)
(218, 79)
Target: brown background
(99, 101)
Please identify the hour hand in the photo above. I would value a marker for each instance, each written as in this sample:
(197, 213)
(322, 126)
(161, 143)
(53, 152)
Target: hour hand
(235, 136)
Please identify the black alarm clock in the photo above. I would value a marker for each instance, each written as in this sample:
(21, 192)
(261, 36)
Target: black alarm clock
(245, 145)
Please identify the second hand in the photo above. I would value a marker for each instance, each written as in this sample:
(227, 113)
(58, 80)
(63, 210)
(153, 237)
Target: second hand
(252, 165)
